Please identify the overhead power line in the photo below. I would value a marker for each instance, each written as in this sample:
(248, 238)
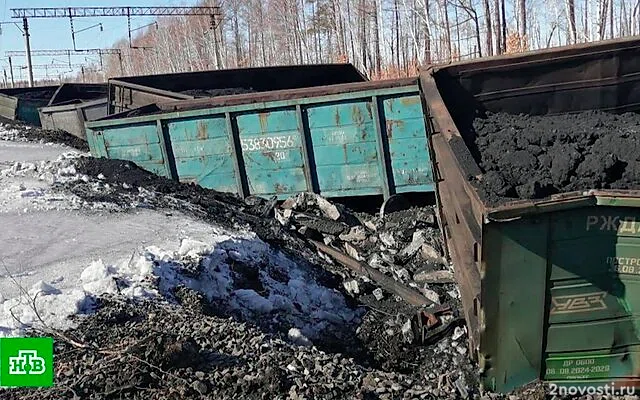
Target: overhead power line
(77, 12)
(63, 52)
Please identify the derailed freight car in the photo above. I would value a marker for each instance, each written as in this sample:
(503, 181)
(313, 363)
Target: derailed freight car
(132, 92)
(550, 286)
(354, 139)
(72, 105)
(21, 104)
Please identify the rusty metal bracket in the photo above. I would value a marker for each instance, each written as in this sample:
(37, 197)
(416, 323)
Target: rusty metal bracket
(429, 326)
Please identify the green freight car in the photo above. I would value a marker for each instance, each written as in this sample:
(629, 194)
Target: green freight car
(550, 287)
(22, 104)
(354, 139)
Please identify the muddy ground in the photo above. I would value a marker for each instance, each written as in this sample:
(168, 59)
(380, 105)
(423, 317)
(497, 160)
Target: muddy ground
(532, 157)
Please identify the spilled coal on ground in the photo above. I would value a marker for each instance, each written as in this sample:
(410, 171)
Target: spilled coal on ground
(532, 157)
(261, 313)
(16, 131)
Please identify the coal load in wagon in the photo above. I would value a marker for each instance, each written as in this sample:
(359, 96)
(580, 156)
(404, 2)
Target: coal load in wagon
(199, 93)
(533, 157)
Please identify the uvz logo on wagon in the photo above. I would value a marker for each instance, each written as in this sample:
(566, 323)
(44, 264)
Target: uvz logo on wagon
(578, 303)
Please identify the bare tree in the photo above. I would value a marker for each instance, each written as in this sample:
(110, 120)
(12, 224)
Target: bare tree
(611, 19)
(586, 20)
(522, 23)
(496, 26)
(602, 18)
(487, 23)
(473, 15)
(571, 16)
(376, 38)
(504, 27)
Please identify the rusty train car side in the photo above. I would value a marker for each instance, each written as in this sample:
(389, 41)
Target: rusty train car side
(542, 299)
(131, 92)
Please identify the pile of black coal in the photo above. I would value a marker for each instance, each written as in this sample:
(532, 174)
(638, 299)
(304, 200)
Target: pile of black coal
(149, 350)
(402, 243)
(531, 157)
(217, 92)
(17, 130)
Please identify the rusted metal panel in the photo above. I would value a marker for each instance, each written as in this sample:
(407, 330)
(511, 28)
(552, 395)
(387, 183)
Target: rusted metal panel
(72, 105)
(72, 117)
(334, 142)
(127, 93)
(345, 148)
(547, 293)
(142, 145)
(202, 154)
(408, 148)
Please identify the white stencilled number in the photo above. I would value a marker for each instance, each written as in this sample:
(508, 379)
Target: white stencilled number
(267, 143)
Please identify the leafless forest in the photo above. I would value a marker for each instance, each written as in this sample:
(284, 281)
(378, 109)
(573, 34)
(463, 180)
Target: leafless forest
(384, 38)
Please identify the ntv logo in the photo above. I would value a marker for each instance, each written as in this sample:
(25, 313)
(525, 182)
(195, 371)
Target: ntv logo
(27, 363)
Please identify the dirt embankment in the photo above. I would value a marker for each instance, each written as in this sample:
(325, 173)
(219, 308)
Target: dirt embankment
(532, 157)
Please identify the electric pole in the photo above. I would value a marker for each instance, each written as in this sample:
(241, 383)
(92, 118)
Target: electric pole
(77, 12)
(13, 84)
(25, 26)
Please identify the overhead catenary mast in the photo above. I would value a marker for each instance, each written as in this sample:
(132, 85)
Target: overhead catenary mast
(80, 12)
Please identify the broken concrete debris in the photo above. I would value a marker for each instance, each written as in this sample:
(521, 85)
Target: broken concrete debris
(387, 239)
(395, 251)
(400, 245)
(439, 276)
(430, 294)
(429, 253)
(356, 234)
(352, 252)
(352, 287)
(418, 239)
(407, 294)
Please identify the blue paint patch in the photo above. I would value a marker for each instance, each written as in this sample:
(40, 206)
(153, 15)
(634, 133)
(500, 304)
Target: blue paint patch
(407, 141)
(202, 149)
(272, 152)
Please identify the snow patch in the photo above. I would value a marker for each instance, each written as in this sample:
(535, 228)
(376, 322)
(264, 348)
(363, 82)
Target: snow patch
(298, 338)
(237, 272)
(42, 288)
(35, 185)
(12, 134)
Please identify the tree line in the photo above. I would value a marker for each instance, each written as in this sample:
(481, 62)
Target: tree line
(383, 38)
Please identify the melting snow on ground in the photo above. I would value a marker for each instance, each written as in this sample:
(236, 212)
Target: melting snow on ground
(237, 272)
(12, 134)
(27, 185)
